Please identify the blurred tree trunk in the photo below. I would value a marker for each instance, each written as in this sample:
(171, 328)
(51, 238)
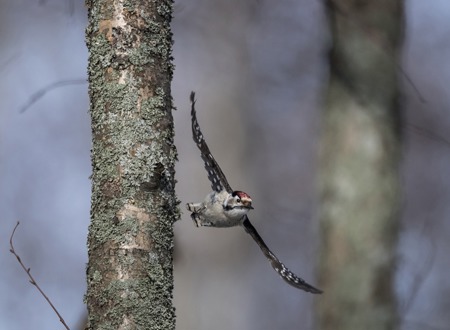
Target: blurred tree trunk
(360, 152)
(130, 273)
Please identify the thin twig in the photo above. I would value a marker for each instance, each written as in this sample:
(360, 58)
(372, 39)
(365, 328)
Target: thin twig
(11, 59)
(411, 83)
(425, 270)
(40, 93)
(32, 280)
(428, 134)
(419, 279)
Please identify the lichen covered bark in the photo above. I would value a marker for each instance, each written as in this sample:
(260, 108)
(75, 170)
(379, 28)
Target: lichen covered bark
(359, 182)
(130, 274)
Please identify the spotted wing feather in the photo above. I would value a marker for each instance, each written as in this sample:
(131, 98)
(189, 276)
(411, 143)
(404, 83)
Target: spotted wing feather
(279, 267)
(215, 174)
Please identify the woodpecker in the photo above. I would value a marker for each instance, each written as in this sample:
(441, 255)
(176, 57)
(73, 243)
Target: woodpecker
(225, 207)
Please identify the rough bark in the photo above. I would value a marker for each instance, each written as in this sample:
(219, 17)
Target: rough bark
(130, 273)
(360, 151)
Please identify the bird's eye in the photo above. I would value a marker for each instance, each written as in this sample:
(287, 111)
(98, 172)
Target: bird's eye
(238, 200)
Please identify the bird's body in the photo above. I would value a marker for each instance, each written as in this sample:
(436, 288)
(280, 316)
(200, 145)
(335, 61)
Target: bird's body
(212, 211)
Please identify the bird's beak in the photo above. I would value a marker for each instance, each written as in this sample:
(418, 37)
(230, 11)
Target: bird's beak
(247, 204)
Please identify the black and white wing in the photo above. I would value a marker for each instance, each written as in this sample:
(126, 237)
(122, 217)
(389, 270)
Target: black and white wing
(279, 267)
(215, 174)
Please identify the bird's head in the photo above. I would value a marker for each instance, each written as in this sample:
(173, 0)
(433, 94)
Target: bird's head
(239, 202)
(242, 200)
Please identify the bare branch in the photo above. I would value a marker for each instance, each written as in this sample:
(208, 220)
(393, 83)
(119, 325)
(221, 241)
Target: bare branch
(41, 92)
(32, 280)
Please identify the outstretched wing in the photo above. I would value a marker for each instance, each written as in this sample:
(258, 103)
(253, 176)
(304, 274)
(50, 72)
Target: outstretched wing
(215, 174)
(279, 267)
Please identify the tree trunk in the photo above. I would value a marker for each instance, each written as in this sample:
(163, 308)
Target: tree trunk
(130, 273)
(360, 153)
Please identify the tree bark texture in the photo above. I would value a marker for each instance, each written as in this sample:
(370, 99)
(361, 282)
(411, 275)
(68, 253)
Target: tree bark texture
(359, 178)
(134, 207)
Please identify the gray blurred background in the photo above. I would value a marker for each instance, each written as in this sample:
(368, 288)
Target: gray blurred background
(259, 69)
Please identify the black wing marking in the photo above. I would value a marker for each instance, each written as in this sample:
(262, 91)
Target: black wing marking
(215, 174)
(279, 267)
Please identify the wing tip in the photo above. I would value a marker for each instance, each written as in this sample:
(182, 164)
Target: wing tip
(300, 283)
(314, 290)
